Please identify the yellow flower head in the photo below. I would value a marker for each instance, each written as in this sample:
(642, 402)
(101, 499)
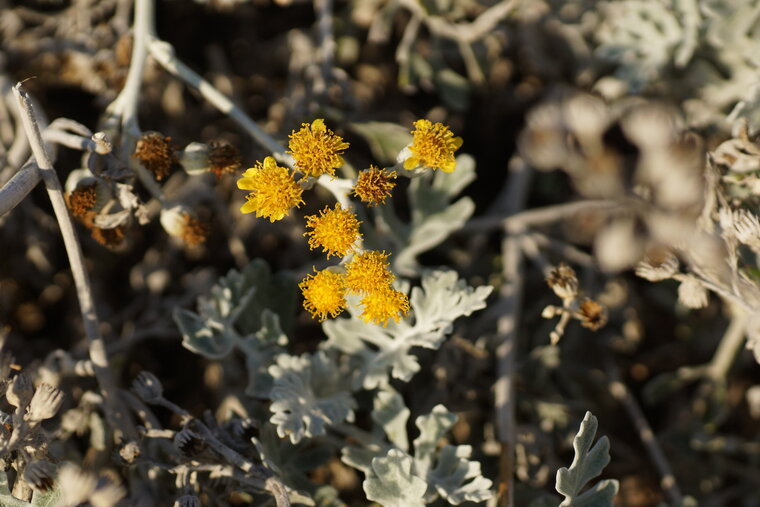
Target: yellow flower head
(383, 305)
(316, 149)
(335, 230)
(374, 185)
(368, 272)
(433, 145)
(274, 191)
(323, 294)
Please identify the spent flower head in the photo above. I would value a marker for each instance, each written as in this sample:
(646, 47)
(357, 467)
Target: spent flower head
(273, 190)
(334, 230)
(324, 293)
(156, 154)
(316, 149)
(374, 185)
(433, 145)
(179, 221)
(368, 272)
(223, 158)
(385, 304)
(82, 199)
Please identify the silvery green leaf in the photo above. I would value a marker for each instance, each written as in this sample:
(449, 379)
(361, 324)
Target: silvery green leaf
(456, 478)
(392, 483)
(441, 300)
(199, 337)
(327, 496)
(432, 427)
(292, 463)
(385, 139)
(434, 216)
(454, 89)
(308, 393)
(260, 350)
(361, 457)
(45, 499)
(589, 461)
(391, 413)
(641, 36)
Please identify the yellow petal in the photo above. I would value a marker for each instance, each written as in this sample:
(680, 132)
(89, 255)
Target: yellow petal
(318, 125)
(449, 166)
(249, 207)
(456, 143)
(246, 184)
(269, 163)
(411, 163)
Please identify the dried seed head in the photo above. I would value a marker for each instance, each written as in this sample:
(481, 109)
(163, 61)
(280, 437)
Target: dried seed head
(20, 391)
(187, 501)
(148, 387)
(46, 402)
(189, 442)
(82, 199)
(181, 222)
(563, 281)
(156, 153)
(692, 293)
(39, 475)
(591, 314)
(76, 484)
(658, 264)
(223, 158)
(110, 238)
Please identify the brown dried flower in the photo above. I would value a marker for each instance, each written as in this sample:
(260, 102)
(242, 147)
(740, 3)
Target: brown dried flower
(82, 199)
(110, 238)
(563, 281)
(592, 315)
(156, 153)
(223, 158)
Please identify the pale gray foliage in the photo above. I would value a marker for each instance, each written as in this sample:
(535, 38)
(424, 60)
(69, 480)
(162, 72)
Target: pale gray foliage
(446, 472)
(589, 461)
(308, 393)
(434, 215)
(242, 311)
(392, 482)
(381, 350)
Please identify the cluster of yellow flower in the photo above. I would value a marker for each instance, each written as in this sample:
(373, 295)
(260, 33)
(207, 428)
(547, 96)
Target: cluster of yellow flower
(316, 150)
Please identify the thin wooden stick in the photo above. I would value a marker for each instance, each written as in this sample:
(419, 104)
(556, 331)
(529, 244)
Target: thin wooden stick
(114, 408)
(510, 303)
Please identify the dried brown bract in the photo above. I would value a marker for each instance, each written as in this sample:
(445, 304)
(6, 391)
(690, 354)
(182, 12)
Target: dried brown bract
(156, 153)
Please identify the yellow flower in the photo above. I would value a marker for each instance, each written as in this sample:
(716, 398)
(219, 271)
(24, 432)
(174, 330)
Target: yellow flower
(433, 145)
(274, 191)
(383, 305)
(316, 149)
(374, 185)
(323, 294)
(368, 272)
(335, 230)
